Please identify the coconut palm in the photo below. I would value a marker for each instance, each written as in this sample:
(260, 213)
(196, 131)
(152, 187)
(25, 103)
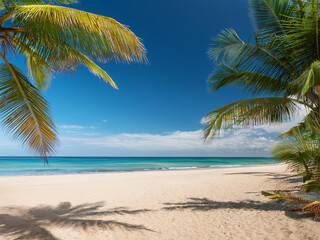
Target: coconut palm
(53, 39)
(281, 69)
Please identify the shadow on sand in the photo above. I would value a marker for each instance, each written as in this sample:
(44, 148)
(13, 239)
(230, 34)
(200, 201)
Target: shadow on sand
(289, 178)
(204, 204)
(22, 223)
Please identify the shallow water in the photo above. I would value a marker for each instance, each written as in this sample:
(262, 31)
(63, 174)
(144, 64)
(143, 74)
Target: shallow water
(61, 165)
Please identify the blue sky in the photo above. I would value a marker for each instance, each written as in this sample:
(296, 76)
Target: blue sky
(158, 108)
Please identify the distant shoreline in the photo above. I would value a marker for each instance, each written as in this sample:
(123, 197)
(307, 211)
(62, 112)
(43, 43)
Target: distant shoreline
(121, 157)
(148, 170)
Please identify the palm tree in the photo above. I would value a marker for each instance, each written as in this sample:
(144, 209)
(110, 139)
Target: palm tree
(53, 39)
(281, 69)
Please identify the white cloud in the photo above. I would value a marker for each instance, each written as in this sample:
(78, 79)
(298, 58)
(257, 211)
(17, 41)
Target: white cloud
(242, 142)
(105, 120)
(255, 141)
(71, 127)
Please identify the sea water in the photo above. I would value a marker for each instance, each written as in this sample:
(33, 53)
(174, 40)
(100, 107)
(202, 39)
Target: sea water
(10, 166)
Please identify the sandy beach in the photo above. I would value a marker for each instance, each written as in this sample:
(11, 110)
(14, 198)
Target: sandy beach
(220, 203)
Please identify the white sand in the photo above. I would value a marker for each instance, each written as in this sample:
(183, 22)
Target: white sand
(195, 204)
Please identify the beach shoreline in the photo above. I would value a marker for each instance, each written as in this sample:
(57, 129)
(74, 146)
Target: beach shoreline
(148, 170)
(219, 203)
(60, 166)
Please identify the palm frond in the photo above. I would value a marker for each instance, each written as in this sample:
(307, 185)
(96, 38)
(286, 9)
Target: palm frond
(263, 57)
(286, 196)
(61, 39)
(313, 124)
(24, 112)
(6, 5)
(98, 37)
(303, 33)
(313, 207)
(308, 79)
(296, 151)
(249, 112)
(254, 83)
(300, 150)
(268, 15)
(43, 68)
(93, 68)
(222, 46)
(39, 71)
(309, 205)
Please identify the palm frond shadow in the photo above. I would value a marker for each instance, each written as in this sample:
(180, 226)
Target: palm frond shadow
(205, 204)
(22, 223)
(289, 178)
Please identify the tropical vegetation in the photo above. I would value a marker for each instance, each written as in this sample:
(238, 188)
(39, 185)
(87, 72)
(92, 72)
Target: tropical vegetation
(53, 39)
(301, 152)
(280, 68)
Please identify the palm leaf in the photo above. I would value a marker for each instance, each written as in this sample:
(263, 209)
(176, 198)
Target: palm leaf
(286, 196)
(61, 39)
(24, 112)
(254, 83)
(303, 33)
(308, 79)
(96, 36)
(263, 58)
(249, 112)
(222, 44)
(41, 70)
(296, 151)
(268, 15)
(8, 4)
(313, 207)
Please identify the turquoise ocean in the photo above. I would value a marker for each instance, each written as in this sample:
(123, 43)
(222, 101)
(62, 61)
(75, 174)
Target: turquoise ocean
(11, 166)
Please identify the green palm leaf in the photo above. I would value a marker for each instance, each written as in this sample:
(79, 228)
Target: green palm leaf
(303, 33)
(223, 43)
(229, 49)
(249, 112)
(254, 83)
(308, 79)
(300, 150)
(24, 112)
(294, 151)
(269, 14)
(7, 4)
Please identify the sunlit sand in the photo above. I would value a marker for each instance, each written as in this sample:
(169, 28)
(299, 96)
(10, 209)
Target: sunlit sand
(221, 203)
